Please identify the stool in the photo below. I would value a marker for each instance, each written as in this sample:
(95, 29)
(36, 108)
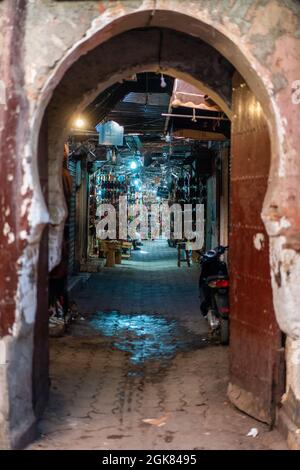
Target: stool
(110, 254)
(118, 253)
(182, 246)
(102, 249)
(110, 258)
(126, 249)
(112, 247)
(195, 256)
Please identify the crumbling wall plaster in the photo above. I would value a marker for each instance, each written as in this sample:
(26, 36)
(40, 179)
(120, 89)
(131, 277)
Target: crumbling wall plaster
(285, 270)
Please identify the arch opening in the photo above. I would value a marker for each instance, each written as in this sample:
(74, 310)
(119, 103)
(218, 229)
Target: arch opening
(215, 78)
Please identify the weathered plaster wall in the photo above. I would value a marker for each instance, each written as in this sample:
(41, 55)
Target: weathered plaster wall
(261, 38)
(18, 259)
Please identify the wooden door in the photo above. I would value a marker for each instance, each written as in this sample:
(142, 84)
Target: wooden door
(256, 374)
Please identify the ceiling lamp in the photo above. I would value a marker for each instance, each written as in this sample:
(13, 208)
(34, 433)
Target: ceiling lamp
(110, 133)
(133, 165)
(162, 81)
(79, 123)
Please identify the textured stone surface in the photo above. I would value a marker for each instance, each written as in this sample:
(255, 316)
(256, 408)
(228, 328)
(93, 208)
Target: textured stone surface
(101, 393)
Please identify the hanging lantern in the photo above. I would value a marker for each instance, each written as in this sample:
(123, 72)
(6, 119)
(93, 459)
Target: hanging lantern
(110, 133)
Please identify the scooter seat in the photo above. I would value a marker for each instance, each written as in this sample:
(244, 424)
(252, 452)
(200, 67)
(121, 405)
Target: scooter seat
(216, 277)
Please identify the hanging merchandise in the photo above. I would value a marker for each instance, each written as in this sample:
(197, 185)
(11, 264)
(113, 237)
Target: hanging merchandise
(109, 187)
(110, 133)
(162, 192)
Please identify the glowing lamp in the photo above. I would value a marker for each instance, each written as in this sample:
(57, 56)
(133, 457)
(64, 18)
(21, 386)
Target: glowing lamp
(79, 123)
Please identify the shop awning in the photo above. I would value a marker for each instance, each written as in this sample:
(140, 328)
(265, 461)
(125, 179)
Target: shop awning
(189, 96)
(198, 135)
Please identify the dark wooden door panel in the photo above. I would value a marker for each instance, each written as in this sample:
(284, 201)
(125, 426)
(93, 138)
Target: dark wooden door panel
(255, 337)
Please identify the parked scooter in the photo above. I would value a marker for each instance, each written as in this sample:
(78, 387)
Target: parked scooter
(214, 292)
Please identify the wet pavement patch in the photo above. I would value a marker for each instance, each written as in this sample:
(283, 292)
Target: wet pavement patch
(146, 336)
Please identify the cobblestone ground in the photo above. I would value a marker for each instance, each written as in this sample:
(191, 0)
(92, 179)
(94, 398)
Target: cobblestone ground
(142, 353)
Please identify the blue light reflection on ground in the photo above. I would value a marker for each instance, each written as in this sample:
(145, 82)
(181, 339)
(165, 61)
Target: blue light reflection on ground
(144, 336)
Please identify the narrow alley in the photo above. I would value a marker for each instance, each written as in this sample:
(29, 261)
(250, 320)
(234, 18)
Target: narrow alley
(140, 351)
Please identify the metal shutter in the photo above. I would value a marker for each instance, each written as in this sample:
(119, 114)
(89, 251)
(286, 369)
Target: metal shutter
(72, 219)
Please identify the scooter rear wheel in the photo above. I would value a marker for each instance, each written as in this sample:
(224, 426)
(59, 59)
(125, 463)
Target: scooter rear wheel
(224, 331)
(204, 308)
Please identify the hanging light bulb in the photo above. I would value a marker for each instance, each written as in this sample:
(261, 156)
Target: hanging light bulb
(162, 81)
(79, 122)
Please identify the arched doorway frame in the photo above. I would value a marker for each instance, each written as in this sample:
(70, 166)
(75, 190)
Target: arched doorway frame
(224, 39)
(117, 72)
(226, 42)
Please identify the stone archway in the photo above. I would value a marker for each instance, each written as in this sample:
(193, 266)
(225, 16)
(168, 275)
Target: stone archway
(117, 59)
(234, 39)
